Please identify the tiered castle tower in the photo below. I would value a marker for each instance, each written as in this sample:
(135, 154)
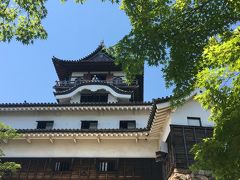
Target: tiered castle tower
(100, 128)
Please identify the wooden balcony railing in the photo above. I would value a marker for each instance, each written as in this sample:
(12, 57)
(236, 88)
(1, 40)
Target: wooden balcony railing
(68, 84)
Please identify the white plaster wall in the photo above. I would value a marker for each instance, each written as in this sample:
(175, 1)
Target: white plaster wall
(78, 74)
(179, 117)
(106, 119)
(112, 99)
(83, 148)
(118, 73)
(75, 98)
(190, 109)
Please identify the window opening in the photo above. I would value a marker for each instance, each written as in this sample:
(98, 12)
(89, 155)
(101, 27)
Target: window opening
(127, 124)
(89, 125)
(194, 121)
(94, 98)
(44, 124)
(107, 165)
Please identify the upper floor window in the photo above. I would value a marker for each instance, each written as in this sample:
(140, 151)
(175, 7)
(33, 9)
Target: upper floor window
(194, 121)
(89, 125)
(117, 80)
(127, 124)
(94, 97)
(44, 124)
(98, 77)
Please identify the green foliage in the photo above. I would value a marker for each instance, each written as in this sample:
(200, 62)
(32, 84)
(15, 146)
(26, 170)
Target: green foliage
(6, 134)
(220, 77)
(173, 33)
(22, 19)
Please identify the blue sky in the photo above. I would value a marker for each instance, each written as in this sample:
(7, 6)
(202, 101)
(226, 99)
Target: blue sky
(74, 30)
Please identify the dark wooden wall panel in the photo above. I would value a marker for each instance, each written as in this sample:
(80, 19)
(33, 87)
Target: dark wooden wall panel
(85, 169)
(180, 142)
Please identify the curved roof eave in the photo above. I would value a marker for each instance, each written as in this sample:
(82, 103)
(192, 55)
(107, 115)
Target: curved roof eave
(116, 92)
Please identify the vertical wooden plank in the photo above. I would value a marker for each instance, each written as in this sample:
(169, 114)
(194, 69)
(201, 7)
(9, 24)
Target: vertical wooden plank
(97, 169)
(61, 175)
(44, 168)
(205, 132)
(79, 169)
(71, 168)
(18, 175)
(172, 147)
(124, 168)
(29, 164)
(52, 172)
(89, 162)
(194, 134)
(185, 146)
(134, 171)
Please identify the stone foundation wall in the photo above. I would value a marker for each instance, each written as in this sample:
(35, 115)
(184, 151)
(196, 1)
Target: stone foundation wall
(182, 174)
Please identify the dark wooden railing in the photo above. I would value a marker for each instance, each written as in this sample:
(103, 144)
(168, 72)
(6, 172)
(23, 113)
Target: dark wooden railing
(68, 84)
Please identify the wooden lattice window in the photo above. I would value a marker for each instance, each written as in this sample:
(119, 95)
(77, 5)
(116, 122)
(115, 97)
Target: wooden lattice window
(107, 165)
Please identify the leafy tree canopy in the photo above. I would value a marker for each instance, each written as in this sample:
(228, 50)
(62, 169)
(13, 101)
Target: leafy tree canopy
(173, 33)
(7, 133)
(22, 19)
(220, 78)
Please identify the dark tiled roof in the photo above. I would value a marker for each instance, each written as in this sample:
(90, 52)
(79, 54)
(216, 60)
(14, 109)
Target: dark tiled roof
(101, 59)
(100, 50)
(162, 99)
(74, 104)
(54, 104)
(116, 89)
(151, 116)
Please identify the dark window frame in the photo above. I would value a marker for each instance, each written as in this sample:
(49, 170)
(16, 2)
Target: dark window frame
(107, 165)
(85, 124)
(124, 124)
(94, 97)
(43, 124)
(100, 76)
(195, 118)
(61, 166)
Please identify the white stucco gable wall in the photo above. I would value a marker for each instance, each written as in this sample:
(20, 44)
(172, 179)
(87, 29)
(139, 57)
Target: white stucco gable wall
(190, 108)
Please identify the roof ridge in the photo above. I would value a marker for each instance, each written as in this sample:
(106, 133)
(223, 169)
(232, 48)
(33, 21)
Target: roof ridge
(106, 130)
(74, 104)
(101, 47)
